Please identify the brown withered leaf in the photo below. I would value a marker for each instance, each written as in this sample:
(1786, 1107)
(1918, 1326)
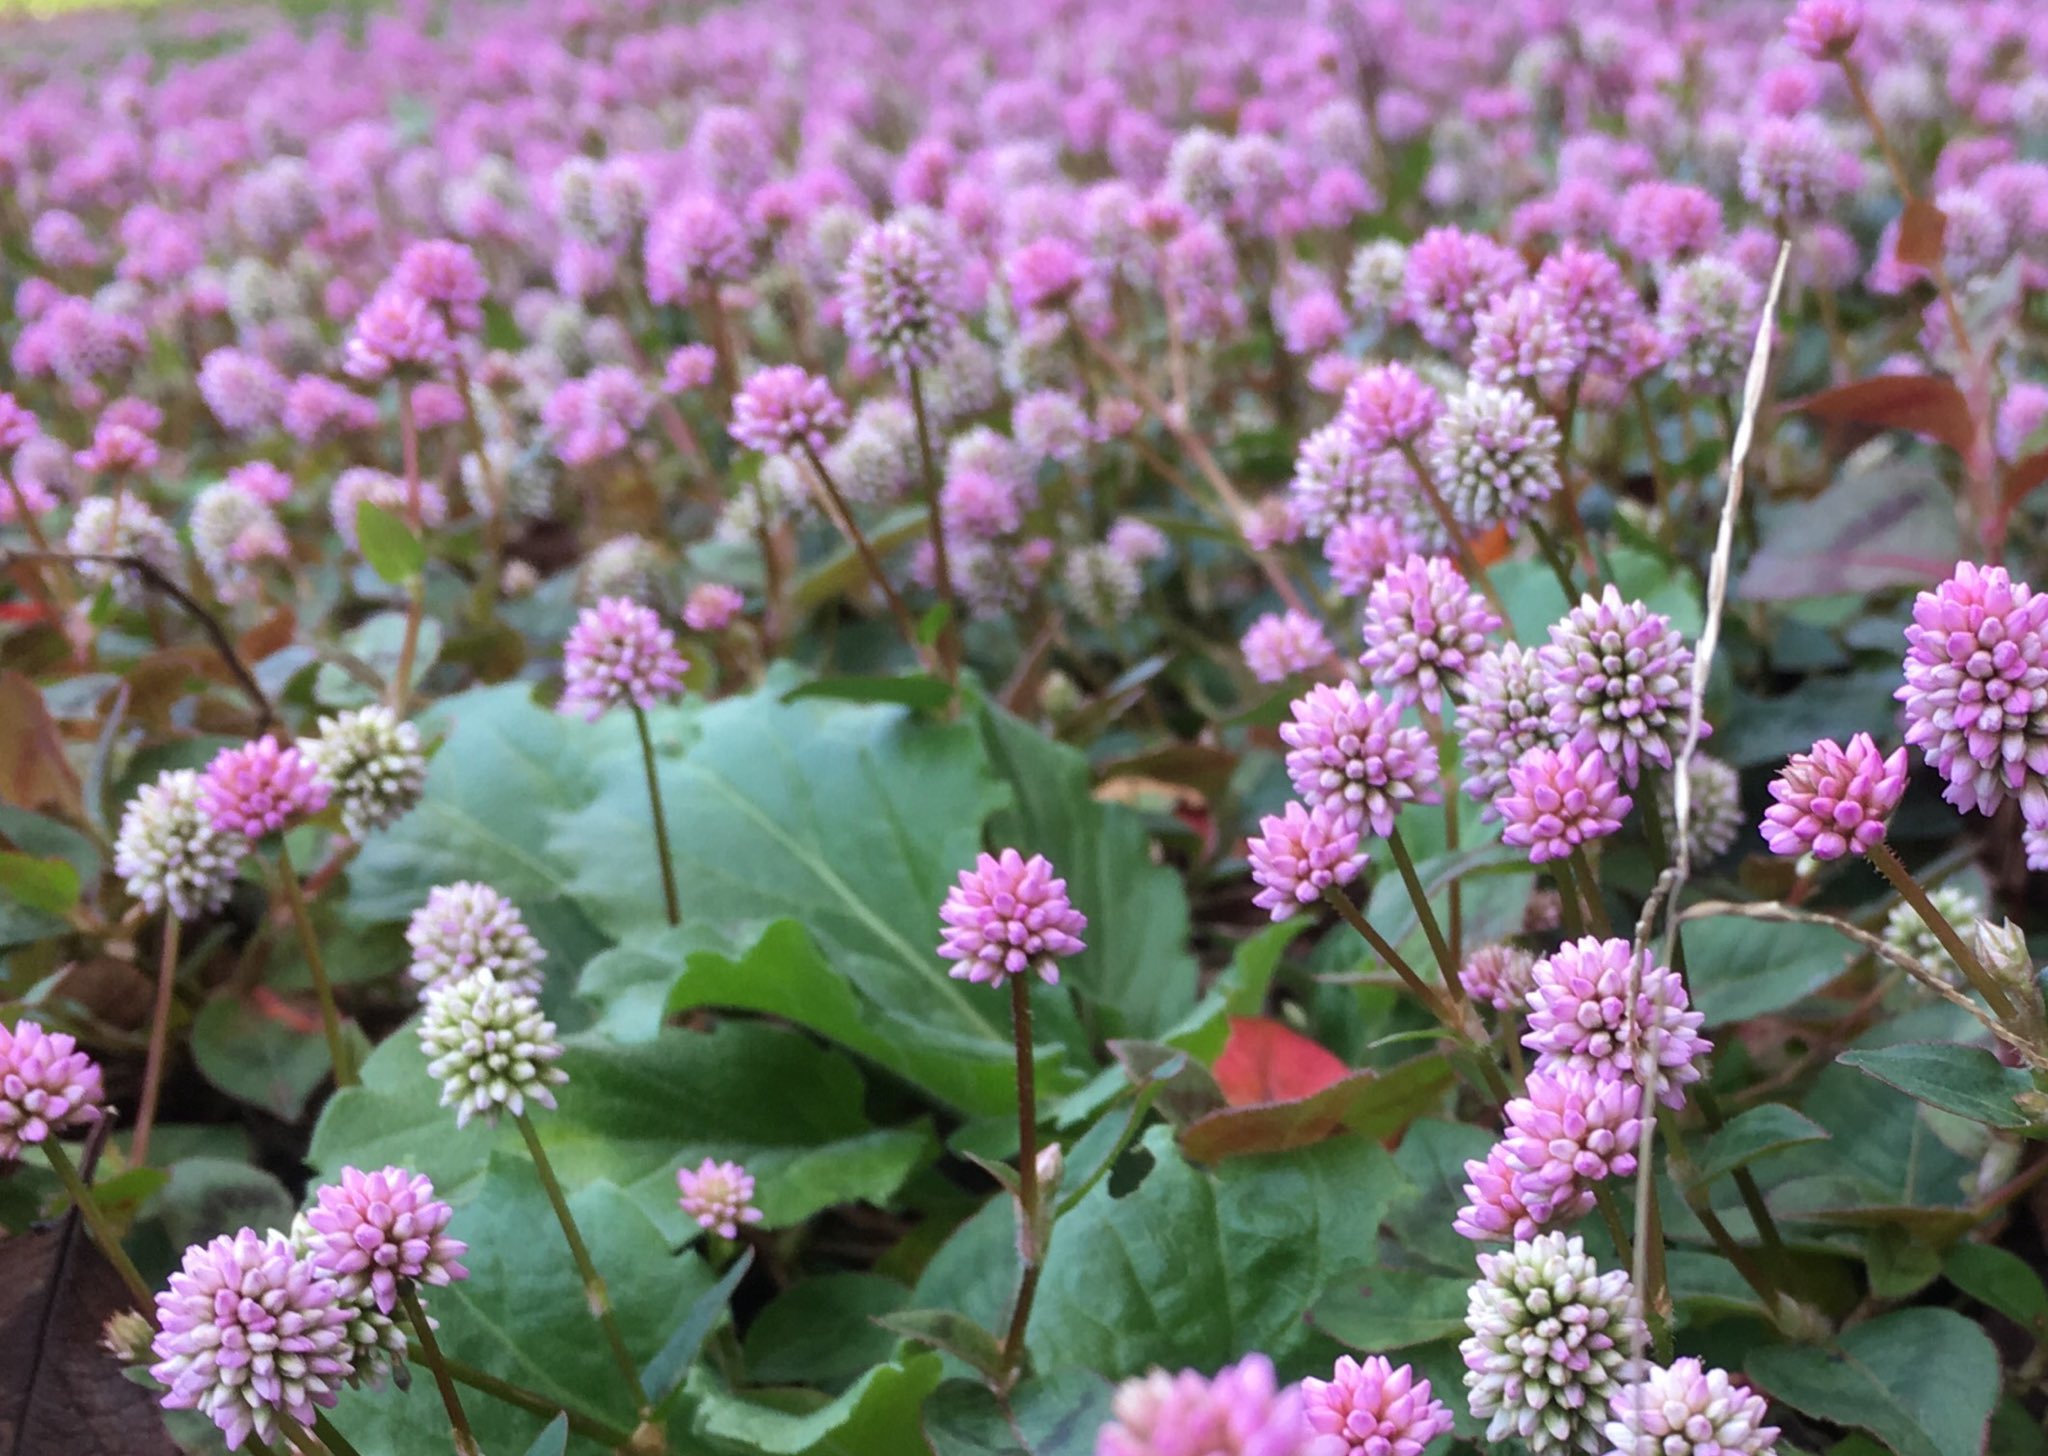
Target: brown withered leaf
(34, 773)
(1922, 228)
(65, 1395)
(1917, 402)
(274, 633)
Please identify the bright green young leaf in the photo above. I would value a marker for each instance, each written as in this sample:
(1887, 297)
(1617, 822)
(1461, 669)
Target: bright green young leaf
(878, 1416)
(1769, 1128)
(1966, 1080)
(49, 885)
(1923, 1381)
(394, 550)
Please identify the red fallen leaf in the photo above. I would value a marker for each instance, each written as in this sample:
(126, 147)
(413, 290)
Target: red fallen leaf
(23, 614)
(1917, 402)
(1921, 229)
(1263, 1061)
(1369, 1103)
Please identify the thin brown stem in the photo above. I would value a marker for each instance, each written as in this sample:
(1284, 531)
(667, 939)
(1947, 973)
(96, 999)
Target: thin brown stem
(430, 1348)
(1589, 890)
(1909, 889)
(1425, 912)
(836, 506)
(159, 1038)
(1421, 990)
(400, 686)
(1468, 561)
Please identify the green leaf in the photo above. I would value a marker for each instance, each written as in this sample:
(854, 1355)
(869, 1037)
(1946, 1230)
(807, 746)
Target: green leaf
(1887, 526)
(877, 1416)
(2001, 1279)
(377, 644)
(921, 691)
(1966, 1080)
(1769, 1128)
(950, 1333)
(821, 1331)
(553, 1439)
(1882, 1163)
(1432, 1157)
(395, 552)
(257, 1058)
(630, 1116)
(1392, 1309)
(1737, 968)
(48, 885)
(1192, 1268)
(1922, 1381)
(1056, 1416)
(522, 1314)
(664, 1373)
(38, 834)
(1137, 977)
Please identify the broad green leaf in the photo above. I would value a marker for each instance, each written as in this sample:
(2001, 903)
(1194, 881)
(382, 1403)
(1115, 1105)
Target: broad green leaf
(553, 1439)
(1767, 730)
(950, 1333)
(394, 550)
(1136, 978)
(1432, 1157)
(1882, 1161)
(38, 834)
(821, 1331)
(1923, 1381)
(522, 1315)
(1737, 968)
(1769, 1128)
(2001, 1279)
(48, 885)
(207, 1196)
(1055, 1416)
(911, 690)
(878, 1416)
(664, 1373)
(1391, 1309)
(1966, 1080)
(257, 1058)
(1192, 1268)
(630, 1116)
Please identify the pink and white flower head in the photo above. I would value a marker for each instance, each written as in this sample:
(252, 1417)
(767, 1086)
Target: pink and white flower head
(1390, 405)
(261, 787)
(469, 927)
(1976, 689)
(1834, 800)
(1495, 1213)
(490, 1047)
(262, 481)
(1299, 853)
(1350, 751)
(1045, 275)
(373, 1230)
(1578, 1017)
(1361, 549)
(47, 1087)
(1618, 678)
(400, 333)
(1009, 916)
(783, 409)
(1499, 975)
(1423, 629)
(712, 606)
(446, 275)
(1823, 30)
(1570, 1131)
(1450, 276)
(1559, 799)
(1688, 1409)
(1242, 1410)
(249, 1333)
(899, 292)
(689, 369)
(1281, 644)
(117, 448)
(1371, 1408)
(619, 653)
(720, 1196)
(245, 391)
(17, 423)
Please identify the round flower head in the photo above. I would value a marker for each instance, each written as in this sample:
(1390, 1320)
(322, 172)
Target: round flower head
(712, 606)
(447, 276)
(694, 245)
(1550, 1340)
(47, 1086)
(372, 1230)
(1790, 168)
(624, 566)
(1376, 278)
(1494, 455)
(1707, 313)
(469, 928)
(489, 1047)
(1569, 1131)
(1281, 644)
(689, 369)
(1559, 799)
(619, 653)
(1834, 800)
(169, 852)
(1905, 931)
(1045, 274)
(249, 1332)
(1687, 1409)
(1823, 30)
(1714, 819)
(1976, 690)
(245, 391)
(233, 531)
(1007, 916)
(1362, 548)
(1496, 1213)
(120, 526)
(1299, 853)
(1423, 629)
(1240, 1411)
(720, 1196)
(1499, 975)
(1333, 479)
(1371, 1409)
(17, 423)
(261, 787)
(1619, 679)
(1578, 1018)
(1103, 583)
(388, 493)
(898, 294)
(1390, 405)
(374, 763)
(398, 333)
(782, 409)
(1350, 751)
(1521, 339)
(1503, 717)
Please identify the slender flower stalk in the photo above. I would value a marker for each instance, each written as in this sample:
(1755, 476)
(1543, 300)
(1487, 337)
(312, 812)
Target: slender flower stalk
(949, 631)
(668, 869)
(159, 1037)
(103, 1234)
(531, 1401)
(1882, 855)
(1589, 891)
(1027, 1178)
(1347, 909)
(842, 515)
(316, 965)
(333, 1440)
(1461, 541)
(430, 1350)
(1438, 946)
(594, 1291)
(400, 686)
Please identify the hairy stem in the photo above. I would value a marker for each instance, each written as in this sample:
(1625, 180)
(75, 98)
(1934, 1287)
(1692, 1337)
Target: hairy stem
(843, 515)
(1987, 986)
(1438, 946)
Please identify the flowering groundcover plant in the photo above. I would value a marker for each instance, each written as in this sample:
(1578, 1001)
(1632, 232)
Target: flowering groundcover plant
(1156, 730)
